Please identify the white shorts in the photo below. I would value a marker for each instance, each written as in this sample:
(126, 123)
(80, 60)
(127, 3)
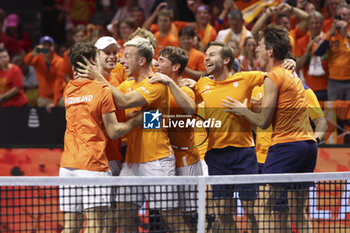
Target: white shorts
(115, 166)
(155, 195)
(78, 198)
(188, 193)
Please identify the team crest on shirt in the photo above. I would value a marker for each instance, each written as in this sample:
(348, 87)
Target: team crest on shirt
(151, 119)
(235, 84)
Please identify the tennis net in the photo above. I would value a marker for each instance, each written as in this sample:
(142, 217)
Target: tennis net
(315, 202)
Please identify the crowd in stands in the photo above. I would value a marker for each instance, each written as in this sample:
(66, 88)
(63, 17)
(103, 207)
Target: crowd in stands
(35, 73)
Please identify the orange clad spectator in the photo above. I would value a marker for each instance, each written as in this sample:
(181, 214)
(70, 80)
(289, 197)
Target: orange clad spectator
(332, 8)
(195, 67)
(202, 25)
(79, 35)
(248, 61)
(175, 25)
(164, 37)
(337, 43)
(301, 4)
(125, 28)
(48, 68)
(314, 68)
(237, 29)
(283, 11)
(11, 83)
(221, 22)
(206, 32)
(139, 15)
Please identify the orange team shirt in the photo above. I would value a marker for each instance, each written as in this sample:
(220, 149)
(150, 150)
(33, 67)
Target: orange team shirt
(297, 33)
(264, 137)
(182, 137)
(235, 130)
(317, 83)
(51, 81)
(113, 146)
(85, 139)
(195, 62)
(176, 26)
(339, 57)
(147, 145)
(118, 75)
(207, 35)
(291, 120)
(167, 40)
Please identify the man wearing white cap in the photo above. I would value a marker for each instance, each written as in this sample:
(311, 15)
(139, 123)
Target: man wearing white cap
(107, 60)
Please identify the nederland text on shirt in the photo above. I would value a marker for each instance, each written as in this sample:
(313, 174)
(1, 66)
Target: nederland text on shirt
(79, 99)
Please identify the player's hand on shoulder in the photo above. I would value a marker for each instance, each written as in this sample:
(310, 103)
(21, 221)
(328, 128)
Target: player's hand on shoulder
(234, 106)
(289, 64)
(161, 78)
(187, 82)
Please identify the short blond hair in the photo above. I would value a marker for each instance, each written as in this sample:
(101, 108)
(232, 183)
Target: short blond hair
(144, 48)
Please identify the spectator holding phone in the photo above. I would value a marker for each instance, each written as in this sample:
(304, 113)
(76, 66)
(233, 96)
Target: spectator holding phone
(48, 68)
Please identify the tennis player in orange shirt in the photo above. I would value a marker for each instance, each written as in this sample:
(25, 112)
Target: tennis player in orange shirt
(85, 143)
(294, 147)
(113, 72)
(172, 62)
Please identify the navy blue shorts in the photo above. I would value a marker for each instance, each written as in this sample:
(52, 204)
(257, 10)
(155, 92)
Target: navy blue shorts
(260, 168)
(233, 161)
(281, 202)
(291, 157)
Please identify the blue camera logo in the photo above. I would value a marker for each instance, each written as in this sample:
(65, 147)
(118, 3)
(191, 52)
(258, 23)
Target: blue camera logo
(151, 120)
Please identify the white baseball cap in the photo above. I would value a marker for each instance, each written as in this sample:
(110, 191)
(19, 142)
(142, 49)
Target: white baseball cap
(105, 41)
